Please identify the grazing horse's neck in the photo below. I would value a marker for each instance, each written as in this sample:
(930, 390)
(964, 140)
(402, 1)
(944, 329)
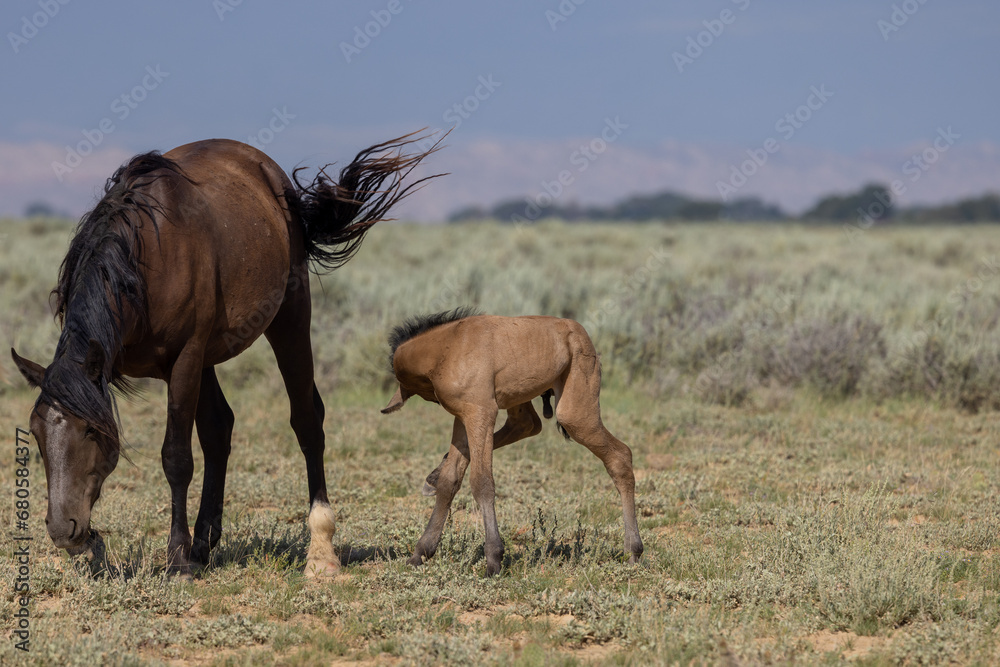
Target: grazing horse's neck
(101, 288)
(92, 314)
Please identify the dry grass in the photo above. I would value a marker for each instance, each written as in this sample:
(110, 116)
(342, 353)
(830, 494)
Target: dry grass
(809, 501)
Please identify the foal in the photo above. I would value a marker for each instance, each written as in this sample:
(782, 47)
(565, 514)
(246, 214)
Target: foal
(473, 366)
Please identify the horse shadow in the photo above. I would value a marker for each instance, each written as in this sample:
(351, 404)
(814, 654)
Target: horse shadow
(281, 549)
(285, 548)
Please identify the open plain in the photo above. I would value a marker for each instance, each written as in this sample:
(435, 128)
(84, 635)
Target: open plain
(812, 413)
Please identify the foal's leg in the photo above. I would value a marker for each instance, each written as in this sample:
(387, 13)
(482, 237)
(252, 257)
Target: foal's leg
(579, 412)
(289, 337)
(448, 481)
(178, 464)
(214, 419)
(479, 426)
(522, 422)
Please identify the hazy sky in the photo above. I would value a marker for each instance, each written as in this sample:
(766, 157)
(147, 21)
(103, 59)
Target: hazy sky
(615, 97)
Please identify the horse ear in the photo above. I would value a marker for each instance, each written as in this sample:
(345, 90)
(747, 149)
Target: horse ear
(32, 372)
(93, 365)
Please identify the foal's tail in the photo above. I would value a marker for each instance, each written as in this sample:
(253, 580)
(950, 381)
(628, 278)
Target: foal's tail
(337, 214)
(546, 406)
(547, 410)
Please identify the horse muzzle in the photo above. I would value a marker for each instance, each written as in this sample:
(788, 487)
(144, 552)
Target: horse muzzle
(68, 533)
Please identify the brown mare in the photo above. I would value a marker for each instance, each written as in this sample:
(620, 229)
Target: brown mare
(186, 260)
(475, 365)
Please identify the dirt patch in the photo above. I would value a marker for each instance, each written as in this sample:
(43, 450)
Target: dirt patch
(683, 529)
(849, 645)
(592, 652)
(474, 617)
(383, 659)
(557, 620)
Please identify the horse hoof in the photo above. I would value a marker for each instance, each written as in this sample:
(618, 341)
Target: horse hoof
(322, 570)
(199, 552)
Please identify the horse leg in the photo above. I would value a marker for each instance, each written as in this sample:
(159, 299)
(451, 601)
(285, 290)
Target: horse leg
(289, 337)
(578, 411)
(522, 422)
(479, 427)
(214, 419)
(178, 464)
(448, 481)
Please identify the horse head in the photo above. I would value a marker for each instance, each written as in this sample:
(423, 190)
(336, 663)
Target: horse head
(78, 452)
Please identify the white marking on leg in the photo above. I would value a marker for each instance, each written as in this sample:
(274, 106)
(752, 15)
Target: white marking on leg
(321, 560)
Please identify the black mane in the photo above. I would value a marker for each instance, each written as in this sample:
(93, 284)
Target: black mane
(420, 323)
(99, 280)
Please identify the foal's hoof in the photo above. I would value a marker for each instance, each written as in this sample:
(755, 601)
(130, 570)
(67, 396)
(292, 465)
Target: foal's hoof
(322, 569)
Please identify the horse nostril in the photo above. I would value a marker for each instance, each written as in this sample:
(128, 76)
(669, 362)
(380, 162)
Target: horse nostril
(73, 533)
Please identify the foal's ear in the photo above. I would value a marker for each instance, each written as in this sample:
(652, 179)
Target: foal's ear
(396, 402)
(32, 372)
(93, 365)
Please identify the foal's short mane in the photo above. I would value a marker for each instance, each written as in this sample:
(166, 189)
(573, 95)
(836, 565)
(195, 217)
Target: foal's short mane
(100, 279)
(420, 323)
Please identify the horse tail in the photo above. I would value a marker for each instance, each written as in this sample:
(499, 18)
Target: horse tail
(336, 214)
(547, 411)
(546, 405)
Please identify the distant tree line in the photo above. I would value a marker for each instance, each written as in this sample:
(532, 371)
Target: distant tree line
(872, 203)
(40, 209)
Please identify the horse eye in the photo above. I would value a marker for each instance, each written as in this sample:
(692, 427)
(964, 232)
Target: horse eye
(90, 432)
